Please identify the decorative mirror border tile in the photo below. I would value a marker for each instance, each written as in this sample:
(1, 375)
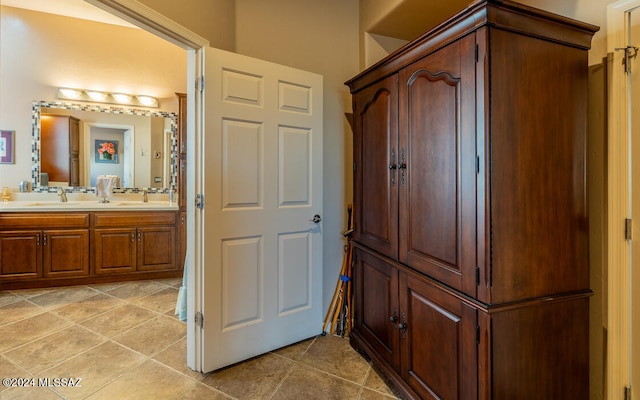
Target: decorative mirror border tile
(35, 144)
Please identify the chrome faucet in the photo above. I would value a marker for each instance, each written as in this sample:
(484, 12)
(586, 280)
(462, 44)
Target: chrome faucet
(145, 198)
(63, 195)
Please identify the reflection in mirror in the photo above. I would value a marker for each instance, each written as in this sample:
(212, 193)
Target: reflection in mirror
(73, 143)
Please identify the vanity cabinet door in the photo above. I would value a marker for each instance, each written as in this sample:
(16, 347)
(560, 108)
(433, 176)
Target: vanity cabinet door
(156, 248)
(115, 250)
(20, 255)
(65, 253)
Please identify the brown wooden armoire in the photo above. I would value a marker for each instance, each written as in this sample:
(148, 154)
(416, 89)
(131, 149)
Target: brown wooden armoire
(60, 148)
(471, 269)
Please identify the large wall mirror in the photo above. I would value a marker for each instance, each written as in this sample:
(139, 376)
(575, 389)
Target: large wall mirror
(136, 145)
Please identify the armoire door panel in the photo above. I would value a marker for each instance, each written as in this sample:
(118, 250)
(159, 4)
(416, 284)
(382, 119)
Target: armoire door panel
(438, 347)
(377, 299)
(376, 192)
(432, 191)
(539, 210)
(437, 222)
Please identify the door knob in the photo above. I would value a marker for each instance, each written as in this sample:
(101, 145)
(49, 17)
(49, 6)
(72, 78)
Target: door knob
(316, 219)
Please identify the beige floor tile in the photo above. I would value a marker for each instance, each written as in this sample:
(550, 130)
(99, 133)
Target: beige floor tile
(335, 356)
(42, 354)
(254, 379)
(175, 356)
(296, 350)
(118, 320)
(31, 392)
(309, 384)
(96, 367)
(105, 287)
(173, 282)
(257, 378)
(136, 289)
(162, 301)
(106, 334)
(24, 331)
(202, 392)
(154, 335)
(58, 298)
(7, 297)
(9, 370)
(150, 380)
(18, 310)
(28, 293)
(368, 394)
(377, 382)
(89, 307)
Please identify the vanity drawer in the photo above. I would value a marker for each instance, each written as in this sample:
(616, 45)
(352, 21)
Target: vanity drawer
(111, 219)
(44, 220)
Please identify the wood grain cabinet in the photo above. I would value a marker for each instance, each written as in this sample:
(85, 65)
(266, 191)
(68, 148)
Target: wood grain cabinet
(416, 329)
(125, 242)
(471, 225)
(49, 246)
(60, 148)
(42, 249)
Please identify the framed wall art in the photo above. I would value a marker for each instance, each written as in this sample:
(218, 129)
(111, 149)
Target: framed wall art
(7, 147)
(106, 151)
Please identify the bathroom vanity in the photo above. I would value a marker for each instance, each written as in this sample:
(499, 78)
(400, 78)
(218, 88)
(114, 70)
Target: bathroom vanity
(49, 243)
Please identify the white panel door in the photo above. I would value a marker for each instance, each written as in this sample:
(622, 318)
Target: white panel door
(262, 175)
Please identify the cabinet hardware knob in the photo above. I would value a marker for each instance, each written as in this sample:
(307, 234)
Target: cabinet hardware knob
(403, 325)
(394, 317)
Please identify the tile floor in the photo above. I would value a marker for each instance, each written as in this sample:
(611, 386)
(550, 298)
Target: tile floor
(124, 342)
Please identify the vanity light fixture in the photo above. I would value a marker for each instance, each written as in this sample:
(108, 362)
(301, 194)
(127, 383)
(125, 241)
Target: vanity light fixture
(122, 98)
(70, 93)
(98, 96)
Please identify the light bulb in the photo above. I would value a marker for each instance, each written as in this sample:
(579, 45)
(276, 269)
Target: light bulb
(96, 96)
(147, 100)
(122, 98)
(71, 93)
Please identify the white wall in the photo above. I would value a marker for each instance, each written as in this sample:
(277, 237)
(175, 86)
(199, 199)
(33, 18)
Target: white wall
(321, 37)
(97, 168)
(590, 11)
(41, 52)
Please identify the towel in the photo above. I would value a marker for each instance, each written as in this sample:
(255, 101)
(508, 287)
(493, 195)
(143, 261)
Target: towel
(104, 185)
(115, 181)
(181, 303)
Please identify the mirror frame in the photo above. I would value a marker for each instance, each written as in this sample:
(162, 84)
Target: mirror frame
(36, 134)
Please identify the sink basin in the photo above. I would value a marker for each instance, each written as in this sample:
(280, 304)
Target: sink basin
(141, 204)
(52, 204)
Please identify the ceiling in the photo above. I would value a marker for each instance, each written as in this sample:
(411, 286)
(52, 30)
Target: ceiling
(70, 8)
